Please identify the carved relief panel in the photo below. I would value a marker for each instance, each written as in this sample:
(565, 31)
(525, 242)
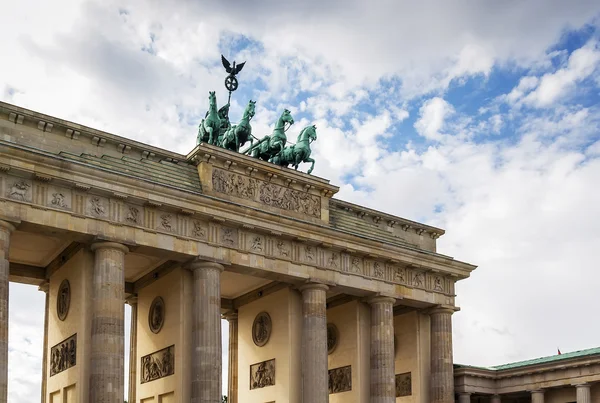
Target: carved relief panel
(156, 315)
(19, 189)
(158, 365)
(261, 329)
(63, 355)
(262, 374)
(267, 193)
(97, 206)
(59, 198)
(403, 384)
(340, 379)
(63, 299)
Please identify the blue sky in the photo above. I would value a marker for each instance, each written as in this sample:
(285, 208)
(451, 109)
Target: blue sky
(481, 118)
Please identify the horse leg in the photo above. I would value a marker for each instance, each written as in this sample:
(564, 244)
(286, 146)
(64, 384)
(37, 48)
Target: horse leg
(237, 141)
(312, 166)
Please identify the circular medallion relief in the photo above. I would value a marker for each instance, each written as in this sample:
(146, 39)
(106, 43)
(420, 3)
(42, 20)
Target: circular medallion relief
(156, 316)
(261, 329)
(333, 337)
(63, 300)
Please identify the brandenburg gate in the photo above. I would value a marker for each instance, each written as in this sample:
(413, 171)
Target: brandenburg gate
(326, 300)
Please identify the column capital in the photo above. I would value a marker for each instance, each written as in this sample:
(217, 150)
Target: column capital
(6, 225)
(204, 265)
(537, 391)
(45, 286)
(582, 385)
(230, 315)
(313, 286)
(381, 299)
(132, 300)
(447, 309)
(109, 245)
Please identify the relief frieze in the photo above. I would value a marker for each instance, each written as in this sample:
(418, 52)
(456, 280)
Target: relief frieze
(267, 193)
(19, 190)
(262, 374)
(403, 384)
(340, 379)
(63, 355)
(158, 365)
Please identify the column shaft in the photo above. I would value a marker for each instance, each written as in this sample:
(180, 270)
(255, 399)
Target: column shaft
(315, 388)
(132, 301)
(45, 287)
(232, 384)
(5, 231)
(107, 377)
(537, 396)
(383, 379)
(442, 371)
(583, 393)
(496, 399)
(206, 333)
(464, 398)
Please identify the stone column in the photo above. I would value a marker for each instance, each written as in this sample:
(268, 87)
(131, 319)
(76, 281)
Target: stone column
(537, 396)
(206, 332)
(133, 303)
(107, 377)
(232, 383)
(583, 393)
(5, 231)
(315, 379)
(442, 371)
(464, 398)
(496, 399)
(45, 286)
(383, 378)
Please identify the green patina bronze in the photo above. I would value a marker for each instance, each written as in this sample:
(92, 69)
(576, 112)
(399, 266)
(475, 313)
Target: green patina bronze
(237, 135)
(216, 129)
(299, 152)
(269, 146)
(208, 131)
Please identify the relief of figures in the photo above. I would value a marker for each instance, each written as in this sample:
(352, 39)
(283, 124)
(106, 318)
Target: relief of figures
(158, 364)
(63, 355)
(18, 191)
(233, 184)
(262, 374)
(403, 384)
(340, 379)
(261, 329)
(267, 193)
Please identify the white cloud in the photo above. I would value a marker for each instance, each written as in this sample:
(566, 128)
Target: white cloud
(433, 114)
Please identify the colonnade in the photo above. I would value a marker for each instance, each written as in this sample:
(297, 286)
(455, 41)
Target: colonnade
(106, 382)
(583, 393)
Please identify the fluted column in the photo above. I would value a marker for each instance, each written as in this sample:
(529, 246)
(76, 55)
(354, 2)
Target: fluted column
(45, 286)
(232, 384)
(133, 303)
(583, 393)
(107, 377)
(315, 387)
(442, 371)
(496, 399)
(206, 333)
(537, 396)
(5, 230)
(383, 388)
(464, 398)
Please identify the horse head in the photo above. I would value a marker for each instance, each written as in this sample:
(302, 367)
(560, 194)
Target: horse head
(308, 133)
(286, 117)
(250, 109)
(212, 98)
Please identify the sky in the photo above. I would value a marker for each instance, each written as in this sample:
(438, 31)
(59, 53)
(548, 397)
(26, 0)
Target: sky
(481, 118)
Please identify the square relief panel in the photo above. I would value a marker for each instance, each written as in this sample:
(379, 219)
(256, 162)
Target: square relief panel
(166, 221)
(255, 243)
(59, 198)
(198, 229)
(282, 248)
(228, 237)
(97, 206)
(262, 374)
(19, 189)
(133, 215)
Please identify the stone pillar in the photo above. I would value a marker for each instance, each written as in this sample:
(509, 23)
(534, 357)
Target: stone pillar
(107, 377)
(206, 332)
(496, 399)
(464, 398)
(133, 303)
(232, 383)
(583, 393)
(537, 396)
(5, 231)
(315, 378)
(383, 378)
(442, 370)
(45, 286)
